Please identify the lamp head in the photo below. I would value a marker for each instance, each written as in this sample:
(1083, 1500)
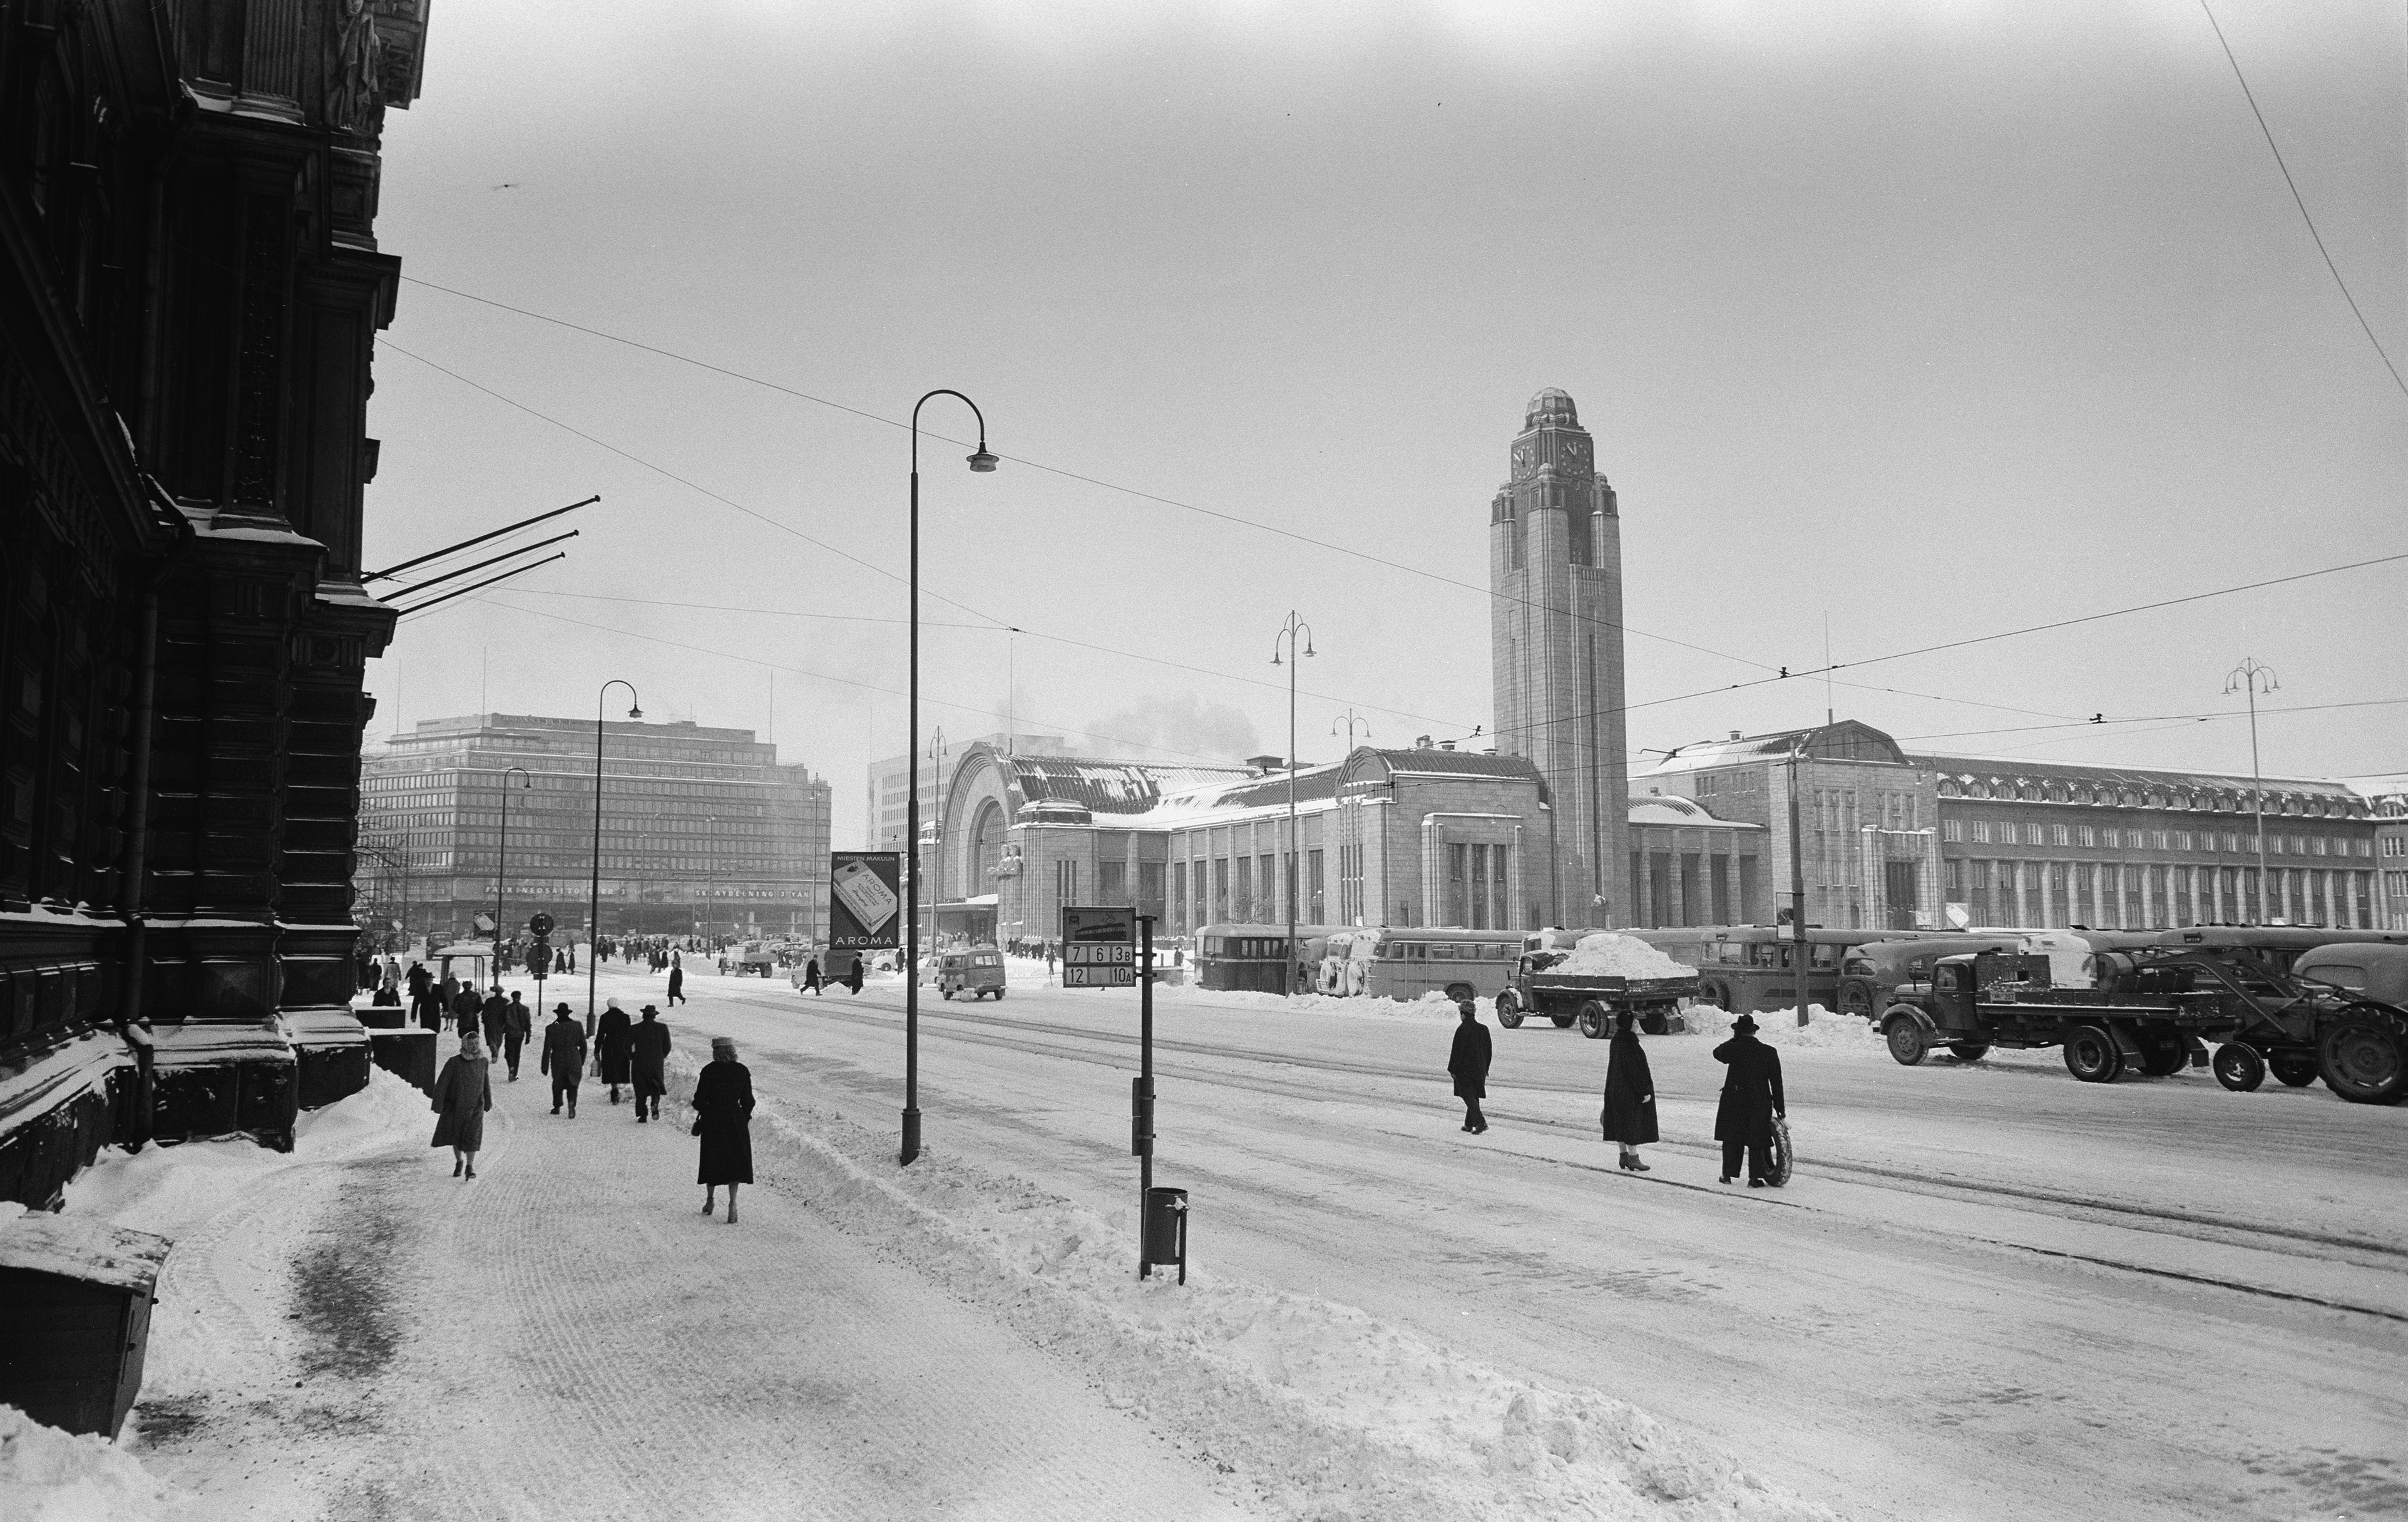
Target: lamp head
(1308, 647)
(634, 713)
(982, 463)
(1275, 660)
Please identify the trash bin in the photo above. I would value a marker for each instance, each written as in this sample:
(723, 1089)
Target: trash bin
(75, 1318)
(1166, 1230)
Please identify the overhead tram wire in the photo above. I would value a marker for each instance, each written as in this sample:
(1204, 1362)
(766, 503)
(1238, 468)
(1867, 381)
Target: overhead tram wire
(2155, 718)
(1784, 673)
(2301, 201)
(848, 681)
(662, 470)
(1032, 465)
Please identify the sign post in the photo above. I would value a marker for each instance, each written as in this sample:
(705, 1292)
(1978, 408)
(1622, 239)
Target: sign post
(539, 958)
(865, 890)
(1113, 948)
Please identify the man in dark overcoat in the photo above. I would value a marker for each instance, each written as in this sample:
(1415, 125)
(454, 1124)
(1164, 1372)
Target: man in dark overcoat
(422, 997)
(1751, 1097)
(648, 1045)
(520, 1025)
(563, 1057)
(1467, 1064)
(853, 978)
(811, 974)
(496, 1019)
(612, 1048)
(467, 1009)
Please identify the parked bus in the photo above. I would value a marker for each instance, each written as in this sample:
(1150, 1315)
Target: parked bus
(1255, 956)
(1409, 961)
(1747, 968)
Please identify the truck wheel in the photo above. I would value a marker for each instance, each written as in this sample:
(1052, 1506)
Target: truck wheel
(2364, 1057)
(2092, 1056)
(1904, 1034)
(1593, 1020)
(2238, 1068)
(2293, 1069)
(1713, 995)
(2163, 1057)
(1969, 1051)
(1563, 1022)
(1858, 1000)
(1508, 1010)
(1655, 1023)
(998, 995)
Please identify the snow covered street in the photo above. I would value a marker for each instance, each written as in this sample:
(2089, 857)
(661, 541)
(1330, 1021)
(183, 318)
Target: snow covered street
(1991, 1292)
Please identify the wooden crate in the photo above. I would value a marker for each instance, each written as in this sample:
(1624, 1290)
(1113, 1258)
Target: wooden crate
(75, 1318)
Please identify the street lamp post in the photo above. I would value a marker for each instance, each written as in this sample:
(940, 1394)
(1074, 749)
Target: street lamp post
(2246, 678)
(1348, 720)
(981, 462)
(937, 831)
(593, 902)
(502, 873)
(1289, 632)
(709, 870)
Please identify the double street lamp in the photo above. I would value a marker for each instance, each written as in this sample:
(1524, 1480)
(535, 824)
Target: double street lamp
(2251, 678)
(594, 903)
(1289, 632)
(981, 462)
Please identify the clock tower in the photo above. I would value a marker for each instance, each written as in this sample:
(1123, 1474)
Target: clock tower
(1554, 576)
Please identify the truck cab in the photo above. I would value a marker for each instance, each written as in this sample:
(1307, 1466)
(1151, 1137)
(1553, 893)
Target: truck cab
(1944, 1011)
(1874, 976)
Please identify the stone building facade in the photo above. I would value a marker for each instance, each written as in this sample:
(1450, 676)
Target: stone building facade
(2387, 798)
(1554, 573)
(190, 291)
(1903, 841)
(703, 830)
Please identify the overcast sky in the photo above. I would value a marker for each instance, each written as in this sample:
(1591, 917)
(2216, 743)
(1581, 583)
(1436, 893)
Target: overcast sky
(1934, 320)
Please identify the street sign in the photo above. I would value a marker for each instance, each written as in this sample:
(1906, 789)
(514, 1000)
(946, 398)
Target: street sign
(1099, 948)
(482, 923)
(864, 897)
(540, 926)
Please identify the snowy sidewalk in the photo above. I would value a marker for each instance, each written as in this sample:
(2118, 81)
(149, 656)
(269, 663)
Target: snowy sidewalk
(567, 1336)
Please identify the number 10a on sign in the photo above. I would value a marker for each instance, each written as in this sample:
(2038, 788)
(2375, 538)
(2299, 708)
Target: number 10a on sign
(1106, 966)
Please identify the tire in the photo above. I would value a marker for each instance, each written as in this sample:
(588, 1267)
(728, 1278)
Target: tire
(1655, 1023)
(1563, 1022)
(2164, 1057)
(998, 995)
(2293, 1069)
(2364, 1057)
(2238, 1068)
(1592, 1021)
(1508, 1010)
(1713, 995)
(1969, 1051)
(948, 993)
(1906, 1039)
(1856, 999)
(2092, 1056)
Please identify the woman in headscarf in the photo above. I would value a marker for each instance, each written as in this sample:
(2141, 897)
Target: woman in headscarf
(1630, 1114)
(461, 1095)
(722, 1117)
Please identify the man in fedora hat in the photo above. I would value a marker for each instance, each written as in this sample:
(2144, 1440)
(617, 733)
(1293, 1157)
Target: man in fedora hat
(563, 1057)
(650, 1043)
(1751, 1097)
(1467, 1063)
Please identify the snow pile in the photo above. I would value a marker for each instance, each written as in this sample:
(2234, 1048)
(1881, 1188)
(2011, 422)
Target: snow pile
(1779, 1028)
(47, 1475)
(1317, 1410)
(1605, 955)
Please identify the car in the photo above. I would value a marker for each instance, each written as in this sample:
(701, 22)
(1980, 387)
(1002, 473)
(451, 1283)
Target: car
(978, 973)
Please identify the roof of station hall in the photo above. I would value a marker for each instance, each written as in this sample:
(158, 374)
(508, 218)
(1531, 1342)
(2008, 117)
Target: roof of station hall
(1107, 788)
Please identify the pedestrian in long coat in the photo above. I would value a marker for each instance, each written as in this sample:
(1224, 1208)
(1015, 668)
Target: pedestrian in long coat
(853, 978)
(611, 1049)
(563, 1057)
(517, 1026)
(421, 996)
(1468, 1063)
(1751, 1097)
(812, 975)
(463, 1093)
(468, 1007)
(495, 1017)
(677, 980)
(722, 1117)
(650, 1044)
(1630, 1114)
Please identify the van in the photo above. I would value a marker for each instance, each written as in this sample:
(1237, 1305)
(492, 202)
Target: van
(978, 973)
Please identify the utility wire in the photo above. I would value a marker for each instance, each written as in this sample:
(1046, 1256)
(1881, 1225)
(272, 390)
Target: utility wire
(1040, 465)
(2149, 718)
(2301, 201)
(849, 682)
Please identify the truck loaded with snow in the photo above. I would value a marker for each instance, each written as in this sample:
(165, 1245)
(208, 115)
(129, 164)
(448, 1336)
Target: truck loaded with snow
(2158, 1009)
(1602, 976)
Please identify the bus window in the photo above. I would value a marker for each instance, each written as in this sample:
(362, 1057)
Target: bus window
(1442, 952)
(1730, 952)
(1822, 956)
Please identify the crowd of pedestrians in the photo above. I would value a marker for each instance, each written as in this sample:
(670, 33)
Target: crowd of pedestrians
(1747, 1121)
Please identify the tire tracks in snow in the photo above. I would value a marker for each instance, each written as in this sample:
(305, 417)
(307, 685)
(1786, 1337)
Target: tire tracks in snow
(1068, 1041)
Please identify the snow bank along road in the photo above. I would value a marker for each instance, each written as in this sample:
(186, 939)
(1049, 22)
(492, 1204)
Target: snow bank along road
(1991, 1291)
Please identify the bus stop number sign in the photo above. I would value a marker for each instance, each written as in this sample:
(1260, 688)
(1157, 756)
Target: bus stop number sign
(1099, 948)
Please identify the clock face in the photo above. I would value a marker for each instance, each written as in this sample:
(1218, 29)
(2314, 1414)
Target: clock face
(1521, 457)
(1574, 453)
